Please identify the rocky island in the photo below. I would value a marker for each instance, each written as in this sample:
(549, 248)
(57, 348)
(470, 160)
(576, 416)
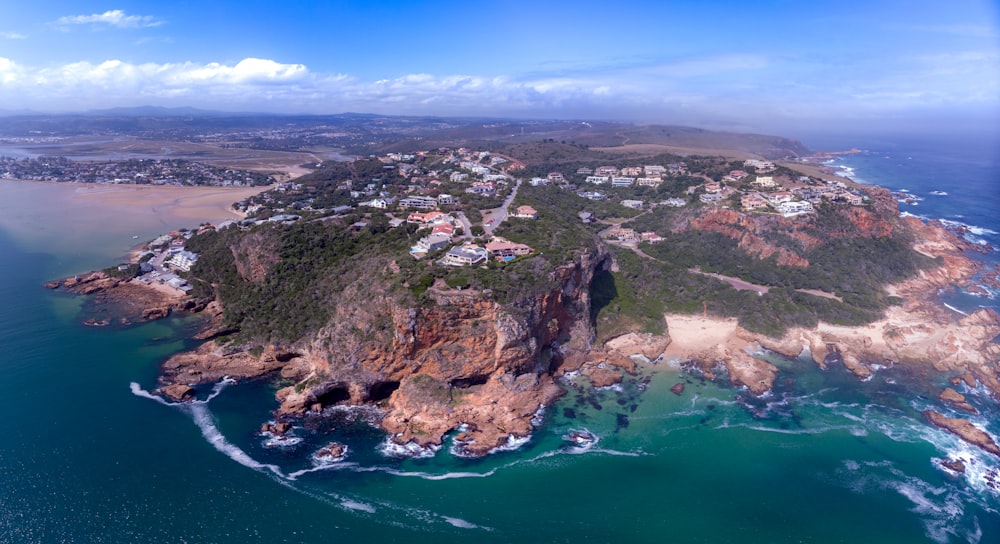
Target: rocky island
(465, 318)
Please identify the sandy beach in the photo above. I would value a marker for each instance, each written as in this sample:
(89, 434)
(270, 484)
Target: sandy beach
(694, 334)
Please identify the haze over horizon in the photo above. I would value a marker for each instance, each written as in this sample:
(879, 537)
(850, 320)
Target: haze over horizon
(776, 66)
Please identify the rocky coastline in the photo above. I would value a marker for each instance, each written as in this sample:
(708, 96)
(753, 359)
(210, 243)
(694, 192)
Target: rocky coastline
(472, 366)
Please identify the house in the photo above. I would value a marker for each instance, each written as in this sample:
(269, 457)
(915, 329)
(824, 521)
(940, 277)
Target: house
(556, 177)
(430, 243)
(606, 171)
(634, 204)
(651, 237)
(764, 181)
(421, 202)
(622, 181)
(631, 171)
(853, 199)
(753, 202)
(592, 195)
(760, 166)
(675, 202)
(183, 260)
(654, 170)
(538, 182)
(526, 212)
(379, 203)
(444, 200)
(425, 218)
(710, 198)
(443, 228)
(584, 171)
(790, 209)
(598, 180)
(179, 283)
(505, 250)
(648, 182)
(482, 189)
(780, 196)
(458, 176)
(622, 234)
(469, 255)
(585, 217)
(677, 168)
(713, 187)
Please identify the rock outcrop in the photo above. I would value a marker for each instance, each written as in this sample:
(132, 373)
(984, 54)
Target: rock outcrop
(965, 430)
(758, 376)
(132, 298)
(465, 361)
(956, 400)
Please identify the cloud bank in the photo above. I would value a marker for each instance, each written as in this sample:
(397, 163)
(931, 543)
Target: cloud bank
(112, 18)
(707, 90)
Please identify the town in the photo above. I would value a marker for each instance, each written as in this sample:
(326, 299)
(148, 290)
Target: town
(176, 172)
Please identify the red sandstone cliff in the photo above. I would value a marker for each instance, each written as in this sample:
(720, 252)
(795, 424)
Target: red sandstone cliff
(464, 359)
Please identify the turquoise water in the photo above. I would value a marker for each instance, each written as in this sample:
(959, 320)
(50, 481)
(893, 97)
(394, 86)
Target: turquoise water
(85, 456)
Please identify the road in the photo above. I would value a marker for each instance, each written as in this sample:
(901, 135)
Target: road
(493, 218)
(466, 225)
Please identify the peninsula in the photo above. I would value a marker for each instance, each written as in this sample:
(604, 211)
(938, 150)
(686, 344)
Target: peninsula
(455, 287)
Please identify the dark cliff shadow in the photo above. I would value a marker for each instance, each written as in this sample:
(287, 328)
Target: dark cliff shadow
(602, 292)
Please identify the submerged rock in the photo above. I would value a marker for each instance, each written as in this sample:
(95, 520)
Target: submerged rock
(677, 389)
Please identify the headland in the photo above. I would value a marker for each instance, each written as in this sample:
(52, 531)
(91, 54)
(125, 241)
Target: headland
(352, 302)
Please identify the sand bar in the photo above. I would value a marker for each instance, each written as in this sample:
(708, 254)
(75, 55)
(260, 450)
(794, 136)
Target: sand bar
(101, 221)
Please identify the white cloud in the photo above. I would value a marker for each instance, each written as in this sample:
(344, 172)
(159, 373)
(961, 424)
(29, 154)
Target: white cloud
(115, 18)
(13, 35)
(690, 91)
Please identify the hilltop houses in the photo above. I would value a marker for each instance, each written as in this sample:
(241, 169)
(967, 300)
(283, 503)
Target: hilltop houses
(467, 255)
(505, 250)
(525, 212)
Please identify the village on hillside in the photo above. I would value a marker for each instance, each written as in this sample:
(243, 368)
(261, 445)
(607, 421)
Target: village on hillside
(456, 198)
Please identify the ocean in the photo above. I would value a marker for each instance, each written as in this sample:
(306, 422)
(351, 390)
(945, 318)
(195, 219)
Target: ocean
(87, 456)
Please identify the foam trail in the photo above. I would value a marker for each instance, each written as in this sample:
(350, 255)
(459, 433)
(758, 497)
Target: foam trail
(140, 392)
(954, 309)
(203, 419)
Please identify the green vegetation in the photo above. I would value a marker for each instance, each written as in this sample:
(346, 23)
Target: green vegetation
(314, 262)
(279, 283)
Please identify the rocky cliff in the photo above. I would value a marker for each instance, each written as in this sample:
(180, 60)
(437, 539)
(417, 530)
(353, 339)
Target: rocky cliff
(457, 361)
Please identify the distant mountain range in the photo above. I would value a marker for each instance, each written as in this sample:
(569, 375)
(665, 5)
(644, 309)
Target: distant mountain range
(364, 133)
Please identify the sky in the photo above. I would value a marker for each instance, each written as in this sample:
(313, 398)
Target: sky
(756, 66)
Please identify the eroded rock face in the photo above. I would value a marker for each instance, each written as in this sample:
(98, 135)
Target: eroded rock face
(965, 430)
(465, 360)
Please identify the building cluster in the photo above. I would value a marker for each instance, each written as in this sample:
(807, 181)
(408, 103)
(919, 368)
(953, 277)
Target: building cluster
(135, 171)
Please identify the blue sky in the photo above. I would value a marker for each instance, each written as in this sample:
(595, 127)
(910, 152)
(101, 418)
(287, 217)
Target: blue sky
(763, 65)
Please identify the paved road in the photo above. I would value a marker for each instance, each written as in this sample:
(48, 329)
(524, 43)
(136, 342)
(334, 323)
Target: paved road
(466, 225)
(499, 215)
